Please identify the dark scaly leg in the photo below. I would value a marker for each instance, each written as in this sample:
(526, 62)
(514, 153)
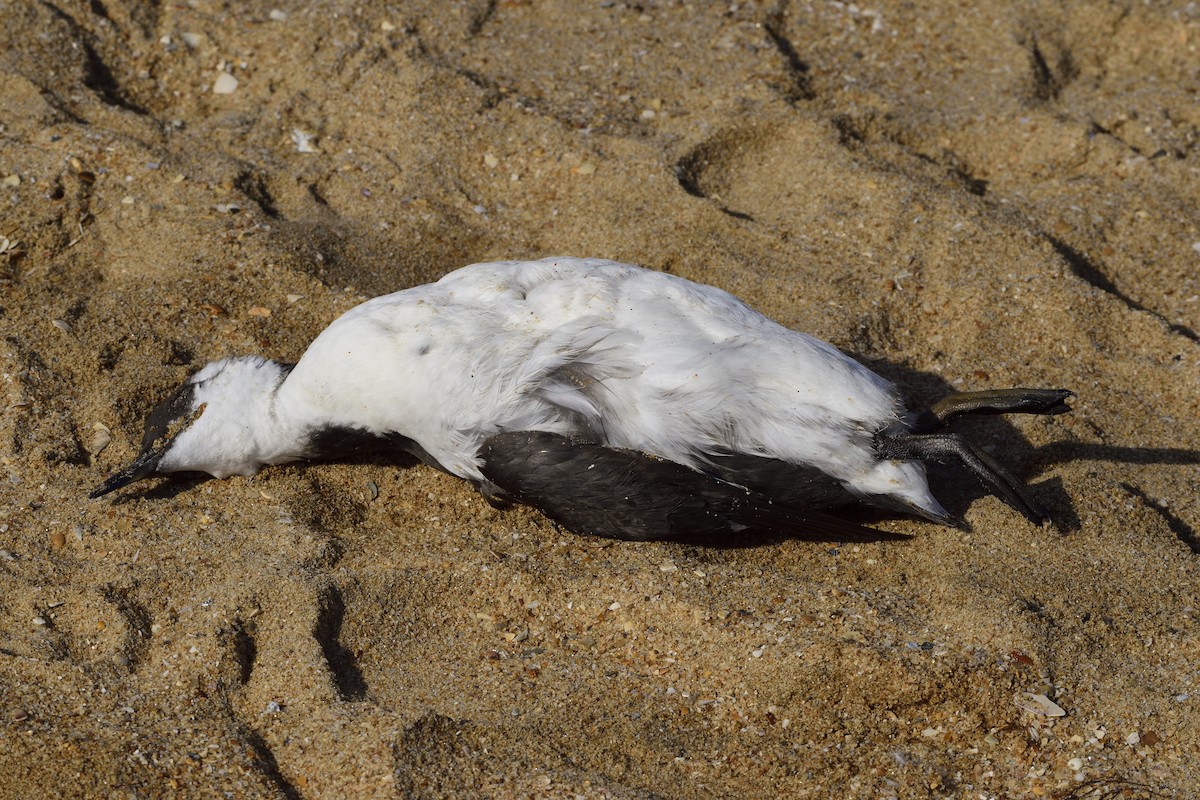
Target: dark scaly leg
(945, 447)
(992, 401)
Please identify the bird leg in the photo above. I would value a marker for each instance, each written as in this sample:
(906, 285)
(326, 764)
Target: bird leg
(945, 447)
(992, 401)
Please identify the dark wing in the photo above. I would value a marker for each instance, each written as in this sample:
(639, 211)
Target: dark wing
(788, 484)
(623, 494)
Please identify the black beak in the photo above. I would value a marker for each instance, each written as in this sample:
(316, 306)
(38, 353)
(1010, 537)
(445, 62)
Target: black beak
(145, 466)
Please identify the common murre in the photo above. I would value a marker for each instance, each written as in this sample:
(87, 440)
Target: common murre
(619, 401)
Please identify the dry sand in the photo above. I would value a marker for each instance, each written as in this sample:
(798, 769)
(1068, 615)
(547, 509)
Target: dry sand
(960, 196)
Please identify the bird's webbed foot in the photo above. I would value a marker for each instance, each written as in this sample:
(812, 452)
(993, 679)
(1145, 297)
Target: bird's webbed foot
(947, 447)
(992, 401)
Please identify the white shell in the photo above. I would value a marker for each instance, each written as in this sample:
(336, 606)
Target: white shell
(1038, 704)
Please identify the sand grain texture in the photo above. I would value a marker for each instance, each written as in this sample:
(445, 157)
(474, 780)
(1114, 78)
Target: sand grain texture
(1004, 194)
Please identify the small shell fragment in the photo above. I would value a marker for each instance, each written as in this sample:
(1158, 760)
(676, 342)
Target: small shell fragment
(259, 311)
(101, 436)
(1038, 704)
(304, 141)
(225, 84)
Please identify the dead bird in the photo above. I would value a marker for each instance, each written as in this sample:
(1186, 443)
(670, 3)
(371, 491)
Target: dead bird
(619, 401)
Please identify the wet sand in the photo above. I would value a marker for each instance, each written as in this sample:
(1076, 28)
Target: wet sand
(960, 197)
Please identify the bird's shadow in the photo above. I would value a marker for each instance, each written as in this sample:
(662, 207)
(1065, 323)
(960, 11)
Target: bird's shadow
(168, 488)
(177, 483)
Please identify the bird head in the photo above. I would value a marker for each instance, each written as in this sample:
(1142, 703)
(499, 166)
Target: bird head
(214, 423)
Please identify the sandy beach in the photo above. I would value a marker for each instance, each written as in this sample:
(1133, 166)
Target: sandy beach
(960, 196)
